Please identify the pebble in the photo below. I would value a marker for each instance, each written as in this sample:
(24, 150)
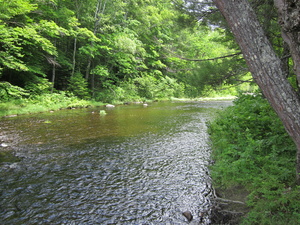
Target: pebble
(4, 145)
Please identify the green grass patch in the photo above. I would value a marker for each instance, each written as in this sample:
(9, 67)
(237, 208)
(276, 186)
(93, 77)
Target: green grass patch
(42, 103)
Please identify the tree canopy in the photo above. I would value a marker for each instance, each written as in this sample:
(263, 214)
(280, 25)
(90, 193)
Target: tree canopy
(114, 49)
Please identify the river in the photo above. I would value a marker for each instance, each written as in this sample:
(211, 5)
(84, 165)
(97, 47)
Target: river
(134, 165)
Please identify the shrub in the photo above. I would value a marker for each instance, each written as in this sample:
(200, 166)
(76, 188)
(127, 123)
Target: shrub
(38, 86)
(79, 86)
(251, 147)
(150, 87)
(145, 87)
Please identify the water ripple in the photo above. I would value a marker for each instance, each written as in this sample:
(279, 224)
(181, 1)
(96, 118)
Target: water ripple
(145, 177)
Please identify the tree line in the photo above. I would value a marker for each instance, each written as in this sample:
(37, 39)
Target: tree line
(106, 50)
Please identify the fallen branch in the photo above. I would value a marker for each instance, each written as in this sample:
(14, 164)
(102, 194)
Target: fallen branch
(231, 201)
(232, 212)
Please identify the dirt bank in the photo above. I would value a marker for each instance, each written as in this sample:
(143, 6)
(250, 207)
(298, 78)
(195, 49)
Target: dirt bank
(229, 205)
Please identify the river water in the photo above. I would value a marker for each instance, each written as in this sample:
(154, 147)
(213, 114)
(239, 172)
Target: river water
(134, 165)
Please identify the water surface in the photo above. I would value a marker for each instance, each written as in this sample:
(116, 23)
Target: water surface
(135, 165)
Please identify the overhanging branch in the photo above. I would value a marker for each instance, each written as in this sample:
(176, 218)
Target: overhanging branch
(210, 59)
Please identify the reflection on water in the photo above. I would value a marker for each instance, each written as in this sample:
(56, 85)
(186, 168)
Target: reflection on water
(135, 165)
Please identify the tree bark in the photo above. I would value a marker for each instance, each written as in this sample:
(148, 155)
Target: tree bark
(289, 19)
(265, 66)
(53, 77)
(74, 57)
(53, 71)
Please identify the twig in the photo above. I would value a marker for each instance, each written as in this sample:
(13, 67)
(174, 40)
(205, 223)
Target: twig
(228, 200)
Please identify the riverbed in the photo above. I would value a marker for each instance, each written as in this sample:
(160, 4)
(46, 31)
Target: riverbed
(135, 165)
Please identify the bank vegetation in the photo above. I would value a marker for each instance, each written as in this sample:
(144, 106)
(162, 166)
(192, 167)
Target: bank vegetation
(252, 151)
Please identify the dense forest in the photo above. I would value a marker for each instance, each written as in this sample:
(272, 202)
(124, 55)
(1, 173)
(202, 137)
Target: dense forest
(115, 50)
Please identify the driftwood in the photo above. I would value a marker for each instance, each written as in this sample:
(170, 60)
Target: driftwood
(228, 200)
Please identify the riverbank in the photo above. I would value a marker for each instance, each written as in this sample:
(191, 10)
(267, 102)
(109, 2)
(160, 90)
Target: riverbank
(254, 155)
(204, 99)
(229, 205)
(43, 103)
(54, 102)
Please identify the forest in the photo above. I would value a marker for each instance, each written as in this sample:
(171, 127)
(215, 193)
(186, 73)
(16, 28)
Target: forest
(63, 54)
(115, 51)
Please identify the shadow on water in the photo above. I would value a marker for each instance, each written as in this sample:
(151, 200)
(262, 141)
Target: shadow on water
(135, 165)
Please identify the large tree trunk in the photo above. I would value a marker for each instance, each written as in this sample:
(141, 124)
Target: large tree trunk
(265, 66)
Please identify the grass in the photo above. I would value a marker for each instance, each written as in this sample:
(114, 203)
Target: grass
(43, 103)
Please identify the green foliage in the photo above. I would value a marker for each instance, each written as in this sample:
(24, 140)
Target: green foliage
(117, 51)
(103, 75)
(38, 86)
(9, 92)
(252, 148)
(9, 9)
(191, 56)
(18, 42)
(42, 103)
(143, 88)
(79, 86)
(57, 101)
(148, 87)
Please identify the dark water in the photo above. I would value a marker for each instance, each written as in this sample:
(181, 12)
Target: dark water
(135, 165)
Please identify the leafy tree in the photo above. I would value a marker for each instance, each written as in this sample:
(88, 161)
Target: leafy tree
(79, 86)
(111, 43)
(25, 46)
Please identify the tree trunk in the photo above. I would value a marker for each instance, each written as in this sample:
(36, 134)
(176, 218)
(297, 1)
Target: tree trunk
(74, 57)
(53, 71)
(265, 66)
(100, 8)
(53, 77)
(289, 19)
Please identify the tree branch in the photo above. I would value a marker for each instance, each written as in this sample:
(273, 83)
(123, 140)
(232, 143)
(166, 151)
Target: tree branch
(210, 59)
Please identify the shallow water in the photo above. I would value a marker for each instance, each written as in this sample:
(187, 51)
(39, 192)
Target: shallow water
(135, 165)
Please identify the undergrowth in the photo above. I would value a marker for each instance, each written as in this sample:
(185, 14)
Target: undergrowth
(251, 148)
(41, 103)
